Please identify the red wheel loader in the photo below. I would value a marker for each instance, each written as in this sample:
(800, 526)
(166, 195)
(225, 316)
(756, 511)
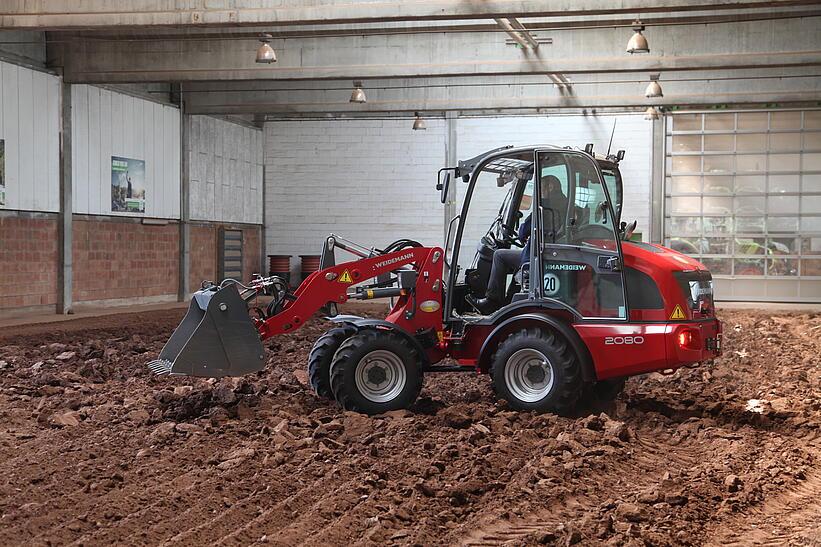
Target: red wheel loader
(587, 308)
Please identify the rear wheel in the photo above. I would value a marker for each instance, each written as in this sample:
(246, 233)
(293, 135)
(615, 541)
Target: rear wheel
(319, 360)
(605, 391)
(375, 371)
(534, 369)
(599, 396)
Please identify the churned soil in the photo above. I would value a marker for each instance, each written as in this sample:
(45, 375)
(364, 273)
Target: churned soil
(96, 450)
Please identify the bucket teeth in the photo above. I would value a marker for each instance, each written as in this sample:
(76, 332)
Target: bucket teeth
(160, 366)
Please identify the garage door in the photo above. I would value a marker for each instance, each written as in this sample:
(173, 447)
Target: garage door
(743, 195)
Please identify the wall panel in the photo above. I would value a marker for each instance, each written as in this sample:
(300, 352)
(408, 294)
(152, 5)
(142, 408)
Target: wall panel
(30, 127)
(226, 171)
(105, 124)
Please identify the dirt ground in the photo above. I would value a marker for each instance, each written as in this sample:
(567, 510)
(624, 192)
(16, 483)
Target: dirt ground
(96, 450)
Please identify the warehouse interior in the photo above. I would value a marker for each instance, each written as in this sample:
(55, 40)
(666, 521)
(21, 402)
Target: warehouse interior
(151, 147)
(276, 152)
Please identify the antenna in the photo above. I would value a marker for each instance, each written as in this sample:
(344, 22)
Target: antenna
(611, 136)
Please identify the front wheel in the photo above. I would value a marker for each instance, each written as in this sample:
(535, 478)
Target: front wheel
(375, 371)
(319, 360)
(535, 369)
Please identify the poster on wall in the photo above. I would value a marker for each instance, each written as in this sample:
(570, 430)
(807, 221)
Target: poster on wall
(127, 185)
(2, 172)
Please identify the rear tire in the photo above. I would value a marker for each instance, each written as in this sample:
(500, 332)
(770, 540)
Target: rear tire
(321, 356)
(600, 396)
(605, 391)
(375, 371)
(535, 369)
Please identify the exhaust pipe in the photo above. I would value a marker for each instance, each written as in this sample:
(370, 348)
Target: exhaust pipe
(216, 338)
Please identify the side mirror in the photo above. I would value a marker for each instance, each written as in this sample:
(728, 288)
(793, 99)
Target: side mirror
(443, 184)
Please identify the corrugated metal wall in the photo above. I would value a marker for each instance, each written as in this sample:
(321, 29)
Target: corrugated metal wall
(226, 171)
(105, 124)
(30, 127)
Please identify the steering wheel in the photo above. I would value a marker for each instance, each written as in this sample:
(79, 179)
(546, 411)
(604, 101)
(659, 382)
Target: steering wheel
(592, 231)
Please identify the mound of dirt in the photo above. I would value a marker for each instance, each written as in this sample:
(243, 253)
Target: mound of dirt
(94, 449)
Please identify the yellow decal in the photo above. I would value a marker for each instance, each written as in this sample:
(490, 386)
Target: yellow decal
(345, 277)
(678, 314)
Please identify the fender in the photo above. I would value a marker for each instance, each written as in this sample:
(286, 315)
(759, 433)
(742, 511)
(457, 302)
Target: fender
(563, 328)
(364, 323)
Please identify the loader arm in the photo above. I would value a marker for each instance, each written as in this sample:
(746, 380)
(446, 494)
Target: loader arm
(333, 284)
(218, 337)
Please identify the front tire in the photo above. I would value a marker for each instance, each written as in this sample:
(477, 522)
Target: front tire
(536, 370)
(321, 356)
(375, 371)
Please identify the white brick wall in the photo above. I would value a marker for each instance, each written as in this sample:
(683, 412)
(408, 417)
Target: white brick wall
(374, 181)
(371, 181)
(633, 134)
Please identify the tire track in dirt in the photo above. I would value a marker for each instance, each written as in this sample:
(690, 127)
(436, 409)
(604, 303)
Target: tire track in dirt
(184, 498)
(132, 495)
(793, 517)
(244, 515)
(642, 464)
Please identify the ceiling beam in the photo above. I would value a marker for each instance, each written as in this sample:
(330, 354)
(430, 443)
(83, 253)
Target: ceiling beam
(90, 14)
(788, 42)
(455, 68)
(481, 93)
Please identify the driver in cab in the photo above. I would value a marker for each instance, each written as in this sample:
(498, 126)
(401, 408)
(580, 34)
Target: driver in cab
(507, 261)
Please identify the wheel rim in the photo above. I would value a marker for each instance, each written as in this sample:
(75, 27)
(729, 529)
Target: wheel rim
(529, 375)
(380, 376)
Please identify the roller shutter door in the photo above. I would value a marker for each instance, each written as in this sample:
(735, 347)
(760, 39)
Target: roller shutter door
(743, 195)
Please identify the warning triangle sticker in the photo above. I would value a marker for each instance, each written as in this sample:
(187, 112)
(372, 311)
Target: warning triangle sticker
(345, 277)
(678, 314)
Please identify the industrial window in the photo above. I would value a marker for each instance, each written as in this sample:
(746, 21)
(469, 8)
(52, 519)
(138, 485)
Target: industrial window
(743, 195)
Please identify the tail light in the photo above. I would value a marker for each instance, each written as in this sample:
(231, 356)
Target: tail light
(688, 339)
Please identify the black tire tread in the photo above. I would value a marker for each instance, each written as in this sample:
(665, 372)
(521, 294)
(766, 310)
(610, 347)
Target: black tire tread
(570, 387)
(321, 356)
(343, 359)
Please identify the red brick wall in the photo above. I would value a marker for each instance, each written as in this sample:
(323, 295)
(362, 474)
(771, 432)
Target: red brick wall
(250, 252)
(29, 258)
(124, 260)
(203, 255)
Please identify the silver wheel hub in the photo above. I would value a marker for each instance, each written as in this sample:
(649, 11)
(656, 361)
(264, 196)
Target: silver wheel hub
(529, 375)
(380, 376)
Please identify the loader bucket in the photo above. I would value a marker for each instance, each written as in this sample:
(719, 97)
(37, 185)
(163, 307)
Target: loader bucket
(216, 338)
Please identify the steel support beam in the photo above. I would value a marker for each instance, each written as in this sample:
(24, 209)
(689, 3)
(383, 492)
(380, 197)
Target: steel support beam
(656, 228)
(456, 68)
(185, 205)
(65, 274)
(90, 14)
(795, 85)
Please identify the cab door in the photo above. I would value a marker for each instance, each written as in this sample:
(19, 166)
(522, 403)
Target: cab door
(579, 260)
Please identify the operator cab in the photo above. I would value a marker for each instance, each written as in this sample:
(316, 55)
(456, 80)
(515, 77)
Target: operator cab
(573, 200)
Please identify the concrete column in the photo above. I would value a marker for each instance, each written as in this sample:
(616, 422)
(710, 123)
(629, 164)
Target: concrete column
(263, 257)
(656, 228)
(64, 268)
(451, 159)
(185, 204)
